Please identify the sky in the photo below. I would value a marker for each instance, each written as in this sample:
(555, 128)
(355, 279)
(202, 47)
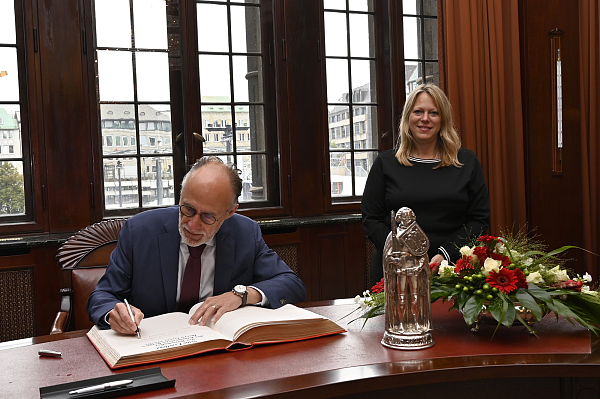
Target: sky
(9, 83)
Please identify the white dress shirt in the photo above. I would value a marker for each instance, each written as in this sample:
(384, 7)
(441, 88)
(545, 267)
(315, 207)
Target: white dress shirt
(207, 276)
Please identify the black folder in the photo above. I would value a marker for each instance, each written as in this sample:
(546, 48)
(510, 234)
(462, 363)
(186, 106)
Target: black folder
(143, 381)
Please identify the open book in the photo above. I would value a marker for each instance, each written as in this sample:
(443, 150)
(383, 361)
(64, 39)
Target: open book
(169, 336)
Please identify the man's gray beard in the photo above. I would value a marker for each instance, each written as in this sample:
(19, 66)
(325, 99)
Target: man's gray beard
(187, 241)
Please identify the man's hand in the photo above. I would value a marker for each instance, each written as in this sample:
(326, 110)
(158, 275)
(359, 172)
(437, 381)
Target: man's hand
(215, 306)
(120, 320)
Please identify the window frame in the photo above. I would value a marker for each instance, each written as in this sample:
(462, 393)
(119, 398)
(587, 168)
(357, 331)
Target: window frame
(275, 30)
(183, 60)
(389, 50)
(35, 191)
(268, 51)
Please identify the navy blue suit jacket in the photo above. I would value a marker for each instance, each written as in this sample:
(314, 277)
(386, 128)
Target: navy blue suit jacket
(143, 267)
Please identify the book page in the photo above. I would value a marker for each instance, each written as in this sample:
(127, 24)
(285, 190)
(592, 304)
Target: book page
(167, 331)
(233, 324)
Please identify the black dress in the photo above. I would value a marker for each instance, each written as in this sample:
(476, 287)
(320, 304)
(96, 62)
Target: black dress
(451, 204)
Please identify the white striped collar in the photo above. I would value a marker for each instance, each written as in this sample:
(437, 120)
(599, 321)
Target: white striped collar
(415, 159)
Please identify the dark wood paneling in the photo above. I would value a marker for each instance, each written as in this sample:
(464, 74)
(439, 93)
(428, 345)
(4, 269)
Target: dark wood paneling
(64, 115)
(554, 199)
(48, 282)
(304, 102)
(332, 259)
(338, 265)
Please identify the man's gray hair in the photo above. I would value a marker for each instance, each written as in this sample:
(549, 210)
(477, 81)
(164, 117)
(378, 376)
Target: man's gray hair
(232, 172)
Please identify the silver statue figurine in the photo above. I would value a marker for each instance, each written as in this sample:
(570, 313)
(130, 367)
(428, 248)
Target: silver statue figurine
(406, 276)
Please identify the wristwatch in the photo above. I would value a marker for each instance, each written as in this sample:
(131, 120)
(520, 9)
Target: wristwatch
(242, 292)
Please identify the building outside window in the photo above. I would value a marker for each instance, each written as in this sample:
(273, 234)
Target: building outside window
(420, 43)
(231, 62)
(132, 50)
(352, 99)
(133, 91)
(133, 43)
(351, 81)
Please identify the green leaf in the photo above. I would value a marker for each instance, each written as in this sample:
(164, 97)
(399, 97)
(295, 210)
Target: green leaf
(503, 310)
(531, 331)
(529, 302)
(560, 308)
(539, 293)
(437, 292)
(472, 309)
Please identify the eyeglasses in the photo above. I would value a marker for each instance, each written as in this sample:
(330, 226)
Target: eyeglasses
(207, 218)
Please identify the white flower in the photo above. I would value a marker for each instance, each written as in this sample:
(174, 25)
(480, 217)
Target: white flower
(514, 255)
(500, 248)
(445, 270)
(528, 262)
(361, 301)
(490, 265)
(587, 278)
(466, 251)
(535, 278)
(585, 289)
(558, 274)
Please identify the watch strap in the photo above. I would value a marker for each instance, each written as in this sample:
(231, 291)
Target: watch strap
(243, 295)
(244, 298)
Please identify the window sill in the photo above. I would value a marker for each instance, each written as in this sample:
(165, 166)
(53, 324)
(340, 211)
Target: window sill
(268, 226)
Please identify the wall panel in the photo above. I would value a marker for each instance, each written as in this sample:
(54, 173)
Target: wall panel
(554, 199)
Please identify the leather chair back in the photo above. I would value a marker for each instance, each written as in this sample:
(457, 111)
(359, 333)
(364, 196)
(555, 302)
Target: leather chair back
(83, 258)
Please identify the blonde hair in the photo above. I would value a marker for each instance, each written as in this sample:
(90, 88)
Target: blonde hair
(448, 140)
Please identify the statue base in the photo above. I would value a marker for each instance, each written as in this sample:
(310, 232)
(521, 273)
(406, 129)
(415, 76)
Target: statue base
(407, 341)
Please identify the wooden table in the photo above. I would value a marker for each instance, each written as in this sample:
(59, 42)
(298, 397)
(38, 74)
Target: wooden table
(562, 363)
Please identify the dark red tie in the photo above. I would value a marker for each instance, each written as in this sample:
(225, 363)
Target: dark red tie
(190, 287)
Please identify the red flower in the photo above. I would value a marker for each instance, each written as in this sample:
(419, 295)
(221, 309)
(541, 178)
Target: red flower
(521, 279)
(462, 264)
(487, 239)
(504, 259)
(505, 280)
(377, 288)
(576, 285)
(481, 253)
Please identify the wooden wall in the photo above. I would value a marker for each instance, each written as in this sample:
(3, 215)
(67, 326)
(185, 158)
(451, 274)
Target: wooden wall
(554, 199)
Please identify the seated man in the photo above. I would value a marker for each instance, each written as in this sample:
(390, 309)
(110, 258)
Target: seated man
(148, 266)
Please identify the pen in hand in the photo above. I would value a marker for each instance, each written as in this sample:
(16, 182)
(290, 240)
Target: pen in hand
(137, 330)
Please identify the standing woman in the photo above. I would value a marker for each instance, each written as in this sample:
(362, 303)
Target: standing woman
(431, 174)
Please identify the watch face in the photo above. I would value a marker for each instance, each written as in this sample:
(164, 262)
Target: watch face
(240, 288)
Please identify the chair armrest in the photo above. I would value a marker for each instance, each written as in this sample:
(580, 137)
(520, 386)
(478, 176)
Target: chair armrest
(58, 326)
(61, 321)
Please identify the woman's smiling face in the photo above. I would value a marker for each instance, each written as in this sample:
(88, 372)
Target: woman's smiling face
(425, 121)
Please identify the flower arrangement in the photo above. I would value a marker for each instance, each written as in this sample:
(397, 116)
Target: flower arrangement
(501, 275)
